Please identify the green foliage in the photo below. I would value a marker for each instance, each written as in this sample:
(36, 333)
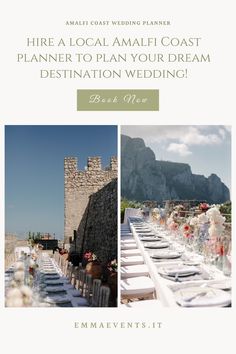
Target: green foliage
(34, 237)
(125, 203)
(226, 209)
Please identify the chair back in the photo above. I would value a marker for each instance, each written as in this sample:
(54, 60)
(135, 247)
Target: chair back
(95, 292)
(80, 280)
(88, 286)
(74, 275)
(104, 294)
(65, 265)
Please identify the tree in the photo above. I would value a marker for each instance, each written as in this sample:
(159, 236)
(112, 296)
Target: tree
(125, 203)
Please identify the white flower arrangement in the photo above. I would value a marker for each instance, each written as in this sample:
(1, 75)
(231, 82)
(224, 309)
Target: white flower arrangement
(215, 216)
(32, 263)
(217, 220)
(19, 297)
(19, 276)
(194, 221)
(203, 219)
(14, 298)
(19, 266)
(27, 295)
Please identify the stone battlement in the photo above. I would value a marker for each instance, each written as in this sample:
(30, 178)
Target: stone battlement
(93, 164)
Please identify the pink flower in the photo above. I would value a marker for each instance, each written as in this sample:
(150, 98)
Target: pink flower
(204, 206)
(173, 226)
(186, 227)
(188, 235)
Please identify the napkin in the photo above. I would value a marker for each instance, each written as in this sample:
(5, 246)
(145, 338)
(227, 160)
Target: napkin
(180, 270)
(206, 297)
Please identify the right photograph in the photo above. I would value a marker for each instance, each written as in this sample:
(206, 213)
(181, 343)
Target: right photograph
(175, 216)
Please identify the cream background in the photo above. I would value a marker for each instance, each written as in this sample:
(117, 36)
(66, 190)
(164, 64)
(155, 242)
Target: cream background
(204, 98)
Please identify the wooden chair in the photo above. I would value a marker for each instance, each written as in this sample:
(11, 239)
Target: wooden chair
(137, 287)
(69, 271)
(74, 275)
(65, 265)
(104, 294)
(80, 280)
(60, 261)
(95, 292)
(56, 256)
(134, 271)
(88, 287)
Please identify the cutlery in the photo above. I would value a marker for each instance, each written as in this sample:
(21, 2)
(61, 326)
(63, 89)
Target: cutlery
(176, 277)
(191, 298)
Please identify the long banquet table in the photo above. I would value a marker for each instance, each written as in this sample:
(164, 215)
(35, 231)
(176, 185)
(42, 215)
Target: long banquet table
(166, 288)
(50, 288)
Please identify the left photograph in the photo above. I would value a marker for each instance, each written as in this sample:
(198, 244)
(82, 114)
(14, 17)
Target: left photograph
(61, 216)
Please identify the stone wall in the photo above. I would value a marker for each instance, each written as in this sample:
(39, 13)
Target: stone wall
(79, 186)
(98, 228)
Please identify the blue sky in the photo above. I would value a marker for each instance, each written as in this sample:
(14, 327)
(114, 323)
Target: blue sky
(34, 175)
(206, 148)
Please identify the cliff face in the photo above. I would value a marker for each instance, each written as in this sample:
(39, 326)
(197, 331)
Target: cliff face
(145, 178)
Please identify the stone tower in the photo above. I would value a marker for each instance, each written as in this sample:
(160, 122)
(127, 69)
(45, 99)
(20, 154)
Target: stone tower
(79, 186)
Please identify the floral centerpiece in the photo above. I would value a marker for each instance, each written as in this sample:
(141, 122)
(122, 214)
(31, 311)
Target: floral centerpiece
(173, 226)
(112, 265)
(187, 231)
(32, 266)
(92, 264)
(216, 229)
(180, 210)
(19, 294)
(88, 256)
(204, 207)
(203, 221)
(174, 222)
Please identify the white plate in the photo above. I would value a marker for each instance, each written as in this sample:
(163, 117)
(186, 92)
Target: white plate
(156, 245)
(192, 263)
(223, 285)
(54, 289)
(166, 255)
(57, 299)
(53, 282)
(51, 277)
(49, 273)
(150, 238)
(210, 297)
(48, 268)
(181, 272)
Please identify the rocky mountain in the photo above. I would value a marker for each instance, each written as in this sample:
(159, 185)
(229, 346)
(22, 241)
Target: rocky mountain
(145, 178)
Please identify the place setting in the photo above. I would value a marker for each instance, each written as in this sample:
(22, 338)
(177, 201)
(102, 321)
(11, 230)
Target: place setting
(156, 245)
(51, 277)
(145, 232)
(183, 273)
(58, 300)
(197, 296)
(150, 238)
(54, 289)
(165, 255)
(53, 282)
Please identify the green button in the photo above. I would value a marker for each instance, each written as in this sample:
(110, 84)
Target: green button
(117, 100)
